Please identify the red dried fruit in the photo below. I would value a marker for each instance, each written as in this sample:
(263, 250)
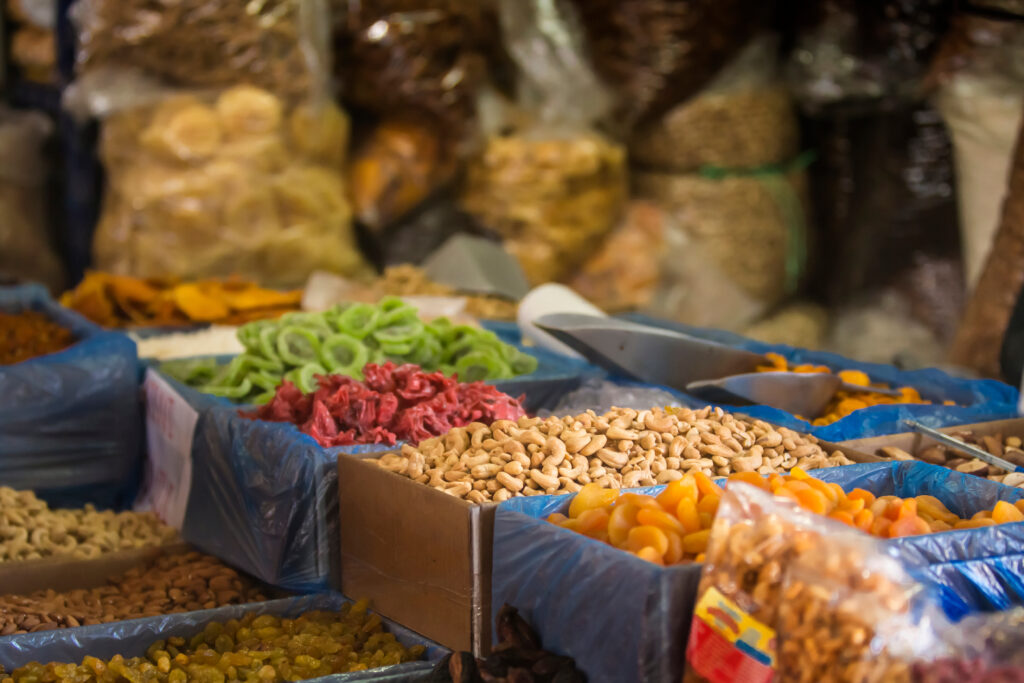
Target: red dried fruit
(393, 403)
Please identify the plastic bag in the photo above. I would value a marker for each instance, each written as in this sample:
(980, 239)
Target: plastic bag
(787, 595)
(743, 118)
(70, 422)
(981, 98)
(428, 59)
(33, 42)
(655, 54)
(625, 271)
(553, 187)
(132, 638)
(849, 50)
(26, 247)
(278, 45)
(985, 649)
(240, 184)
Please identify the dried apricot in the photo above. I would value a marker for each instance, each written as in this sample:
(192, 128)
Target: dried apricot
(589, 497)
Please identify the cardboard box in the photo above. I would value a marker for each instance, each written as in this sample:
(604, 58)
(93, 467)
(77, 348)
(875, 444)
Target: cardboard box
(912, 442)
(423, 557)
(69, 573)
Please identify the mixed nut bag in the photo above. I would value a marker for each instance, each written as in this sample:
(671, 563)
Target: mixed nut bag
(787, 595)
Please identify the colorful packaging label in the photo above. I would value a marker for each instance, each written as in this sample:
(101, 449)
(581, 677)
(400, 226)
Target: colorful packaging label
(727, 645)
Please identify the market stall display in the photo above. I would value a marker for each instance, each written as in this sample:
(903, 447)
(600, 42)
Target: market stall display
(674, 526)
(393, 403)
(123, 301)
(342, 341)
(173, 583)
(32, 530)
(265, 646)
(620, 449)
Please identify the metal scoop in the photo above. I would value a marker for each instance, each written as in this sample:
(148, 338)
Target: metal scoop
(709, 370)
(965, 448)
(649, 354)
(800, 393)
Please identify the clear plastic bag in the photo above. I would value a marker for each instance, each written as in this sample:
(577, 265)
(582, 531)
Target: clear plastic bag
(279, 45)
(553, 186)
(656, 54)
(986, 648)
(238, 184)
(787, 595)
(980, 70)
(26, 247)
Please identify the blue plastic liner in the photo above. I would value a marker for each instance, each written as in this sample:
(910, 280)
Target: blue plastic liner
(132, 638)
(264, 498)
(557, 578)
(71, 421)
(977, 400)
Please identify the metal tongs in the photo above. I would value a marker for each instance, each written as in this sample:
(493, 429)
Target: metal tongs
(709, 370)
(965, 448)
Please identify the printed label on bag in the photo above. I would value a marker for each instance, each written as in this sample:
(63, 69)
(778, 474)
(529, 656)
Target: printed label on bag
(170, 426)
(728, 645)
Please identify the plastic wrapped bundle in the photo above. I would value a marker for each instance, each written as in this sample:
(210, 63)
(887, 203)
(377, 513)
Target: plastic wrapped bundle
(656, 53)
(275, 44)
(240, 184)
(411, 55)
(551, 186)
(26, 249)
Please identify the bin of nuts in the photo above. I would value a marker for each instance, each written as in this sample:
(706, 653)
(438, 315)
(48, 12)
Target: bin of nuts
(778, 580)
(30, 530)
(173, 583)
(623, 448)
(996, 438)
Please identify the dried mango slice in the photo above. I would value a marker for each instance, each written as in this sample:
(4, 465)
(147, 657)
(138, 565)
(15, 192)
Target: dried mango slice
(197, 305)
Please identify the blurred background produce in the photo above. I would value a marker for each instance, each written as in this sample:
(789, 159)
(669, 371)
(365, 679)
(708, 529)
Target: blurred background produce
(827, 174)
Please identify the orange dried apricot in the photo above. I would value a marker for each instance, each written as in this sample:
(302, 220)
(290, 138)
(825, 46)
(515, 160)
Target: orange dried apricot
(589, 497)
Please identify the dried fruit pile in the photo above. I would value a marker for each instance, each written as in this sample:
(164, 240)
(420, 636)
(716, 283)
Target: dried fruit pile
(845, 402)
(262, 648)
(28, 335)
(517, 658)
(342, 341)
(172, 583)
(30, 530)
(119, 301)
(623, 448)
(674, 526)
(1009, 448)
(408, 280)
(392, 404)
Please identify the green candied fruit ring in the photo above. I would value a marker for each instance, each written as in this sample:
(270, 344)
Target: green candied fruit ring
(297, 346)
(268, 342)
(191, 372)
(264, 398)
(406, 332)
(478, 366)
(460, 347)
(391, 303)
(523, 363)
(233, 392)
(249, 335)
(443, 329)
(264, 380)
(332, 347)
(357, 320)
(426, 353)
(304, 377)
(398, 350)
